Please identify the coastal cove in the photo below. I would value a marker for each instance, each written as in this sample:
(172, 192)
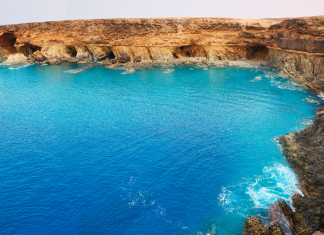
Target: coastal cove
(222, 90)
(188, 149)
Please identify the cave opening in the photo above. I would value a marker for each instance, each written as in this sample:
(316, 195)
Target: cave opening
(7, 42)
(28, 49)
(190, 51)
(71, 50)
(111, 55)
(35, 48)
(258, 53)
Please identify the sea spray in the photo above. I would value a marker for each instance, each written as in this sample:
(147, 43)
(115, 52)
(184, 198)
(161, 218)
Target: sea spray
(275, 182)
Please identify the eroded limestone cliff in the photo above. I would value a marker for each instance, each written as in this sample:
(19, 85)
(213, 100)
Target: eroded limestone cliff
(294, 45)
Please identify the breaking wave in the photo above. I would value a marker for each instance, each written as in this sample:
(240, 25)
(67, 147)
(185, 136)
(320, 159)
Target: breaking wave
(320, 95)
(311, 101)
(275, 182)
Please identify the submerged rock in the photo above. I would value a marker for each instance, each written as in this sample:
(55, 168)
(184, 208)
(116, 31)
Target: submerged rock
(169, 71)
(128, 71)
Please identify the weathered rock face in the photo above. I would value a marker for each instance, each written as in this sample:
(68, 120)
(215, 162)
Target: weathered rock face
(307, 68)
(294, 45)
(275, 229)
(254, 226)
(304, 151)
(318, 233)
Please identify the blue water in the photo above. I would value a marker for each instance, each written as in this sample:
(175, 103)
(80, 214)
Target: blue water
(186, 152)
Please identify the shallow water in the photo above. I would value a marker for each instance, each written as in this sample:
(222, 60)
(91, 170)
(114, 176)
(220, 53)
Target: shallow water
(93, 151)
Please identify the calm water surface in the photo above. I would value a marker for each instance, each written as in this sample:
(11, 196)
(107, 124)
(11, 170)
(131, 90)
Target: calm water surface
(186, 152)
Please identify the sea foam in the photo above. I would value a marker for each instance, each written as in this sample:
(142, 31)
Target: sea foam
(277, 182)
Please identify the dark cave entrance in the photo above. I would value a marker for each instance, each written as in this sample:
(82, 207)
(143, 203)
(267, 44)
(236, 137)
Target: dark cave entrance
(7, 42)
(72, 51)
(258, 53)
(28, 49)
(111, 55)
(190, 51)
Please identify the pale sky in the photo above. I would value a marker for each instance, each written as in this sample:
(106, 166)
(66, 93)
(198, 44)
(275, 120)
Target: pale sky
(23, 11)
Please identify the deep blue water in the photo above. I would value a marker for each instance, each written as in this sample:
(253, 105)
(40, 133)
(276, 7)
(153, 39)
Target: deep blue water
(98, 152)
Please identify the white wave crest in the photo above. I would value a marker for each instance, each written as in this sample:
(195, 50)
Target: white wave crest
(320, 95)
(306, 122)
(277, 182)
(311, 101)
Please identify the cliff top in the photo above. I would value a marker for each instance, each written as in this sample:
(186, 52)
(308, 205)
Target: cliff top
(263, 22)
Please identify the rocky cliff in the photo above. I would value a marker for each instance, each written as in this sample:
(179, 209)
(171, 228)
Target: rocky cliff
(304, 151)
(294, 45)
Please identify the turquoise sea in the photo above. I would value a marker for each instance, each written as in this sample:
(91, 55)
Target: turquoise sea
(190, 151)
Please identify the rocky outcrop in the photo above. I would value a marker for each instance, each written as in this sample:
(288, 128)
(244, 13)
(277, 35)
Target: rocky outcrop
(275, 229)
(306, 68)
(305, 153)
(294, 45)
(254, 226)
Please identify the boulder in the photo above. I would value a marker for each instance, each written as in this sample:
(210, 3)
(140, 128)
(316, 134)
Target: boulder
(275, 229)
(38, 56)
(254, 226)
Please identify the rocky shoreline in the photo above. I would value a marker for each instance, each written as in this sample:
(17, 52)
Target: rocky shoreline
(304, 151)
(295, 46)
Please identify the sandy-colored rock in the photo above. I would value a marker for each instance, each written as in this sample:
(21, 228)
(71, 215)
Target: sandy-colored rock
(275, 229)
(60, 51)
(54, 61)
(18, 58)
(100, 52)
(254, 226)
(293, 45)
(84, 55)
